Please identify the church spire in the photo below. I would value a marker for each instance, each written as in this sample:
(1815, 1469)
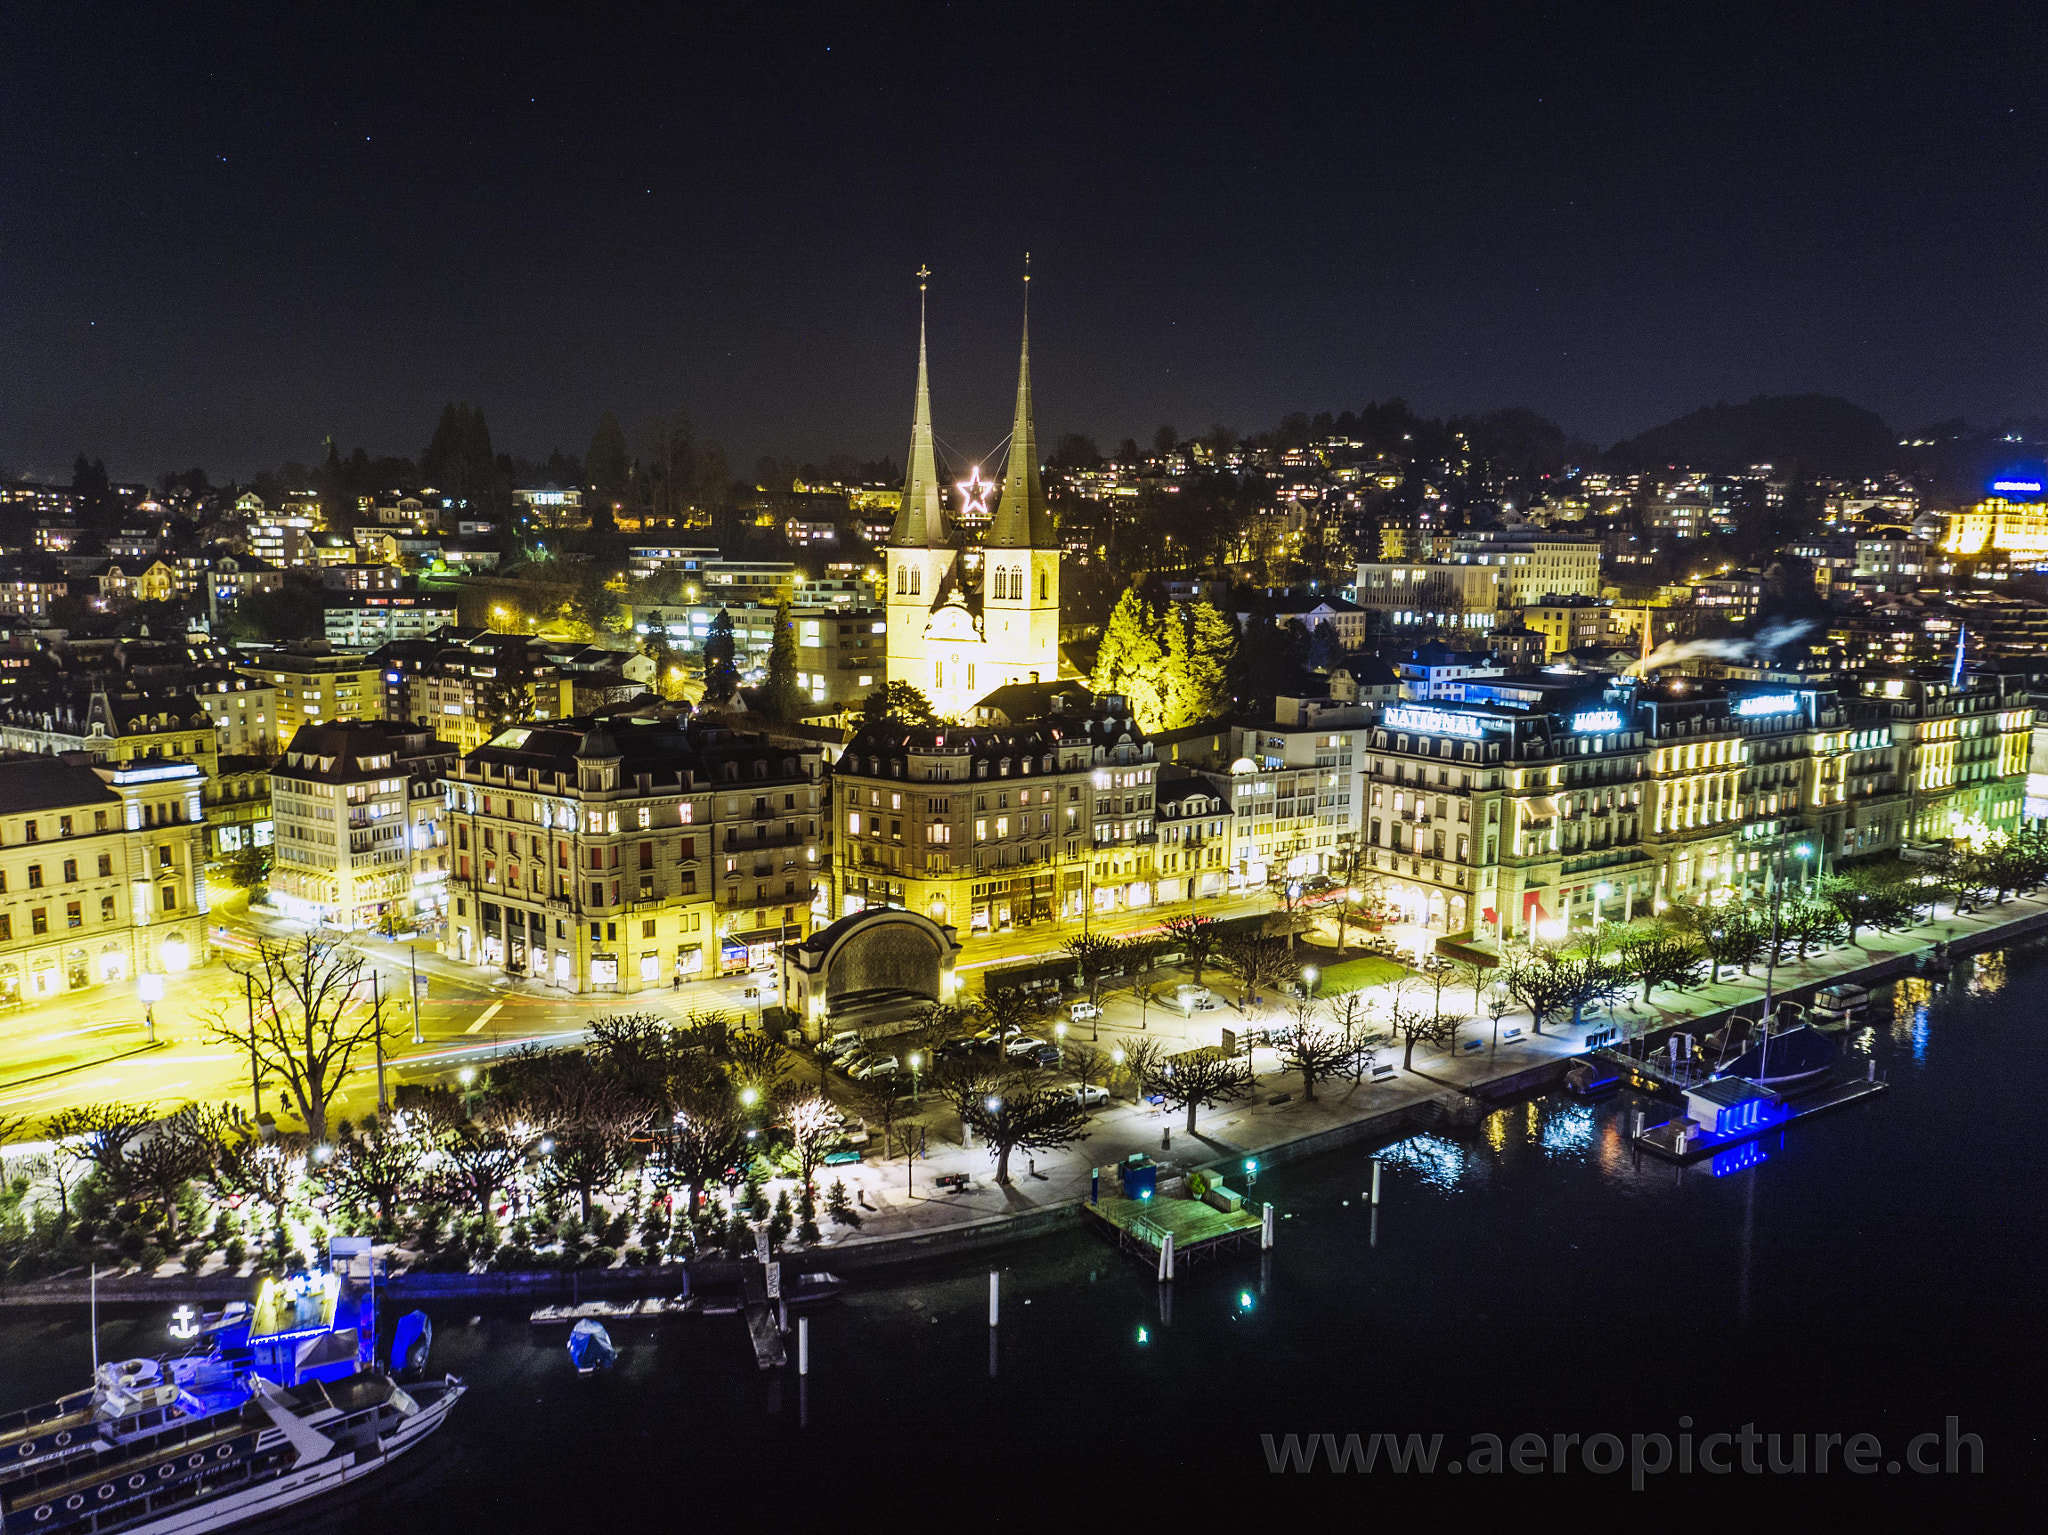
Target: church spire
(921, 522)
(1022, 520)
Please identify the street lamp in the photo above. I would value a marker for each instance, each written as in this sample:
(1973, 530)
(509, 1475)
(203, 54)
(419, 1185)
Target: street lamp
(1803, 851)
(1601, 892)
(1309, 976)
(916, 1061)
(151, 989)
(1059, 1034)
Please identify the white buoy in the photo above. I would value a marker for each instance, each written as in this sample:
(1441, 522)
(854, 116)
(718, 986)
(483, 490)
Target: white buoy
(803, 1345)
(1266, 1229)
(1375, 1180)
(995, 1296)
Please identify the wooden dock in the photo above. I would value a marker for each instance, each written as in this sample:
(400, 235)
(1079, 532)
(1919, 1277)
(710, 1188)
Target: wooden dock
(762, 1321)
(1200, 1230)
(1662, 1140)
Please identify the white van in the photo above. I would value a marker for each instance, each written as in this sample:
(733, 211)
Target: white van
(843, 1043)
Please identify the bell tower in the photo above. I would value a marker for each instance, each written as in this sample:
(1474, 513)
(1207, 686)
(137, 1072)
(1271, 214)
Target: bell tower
(1021, 559)
(918, 551)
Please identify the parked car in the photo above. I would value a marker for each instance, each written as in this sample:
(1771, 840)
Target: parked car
(867, 1067)
(1018, 1048)
(1090, 1096)
(843, 1043)
(1044, 1055)
(959, 1045)
(1081, 1012)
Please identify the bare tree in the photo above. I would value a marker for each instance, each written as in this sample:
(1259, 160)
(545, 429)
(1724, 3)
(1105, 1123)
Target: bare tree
(1200, 1079)
(1024, 1112)
(98, 1135)
(1010, 1011)
(1140, 1063)
(375, 1169)
(875, 1101)
(753, 1060)
(1257, 963)
(705, 1133)
(1088, 1063)
(170, 1154)
(1317, 1051)
(1095, 956)
(1195, 937)
(302, 1034)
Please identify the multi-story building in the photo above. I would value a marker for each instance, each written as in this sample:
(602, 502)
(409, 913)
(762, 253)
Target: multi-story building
(1962, 746)
(466, 685)
(1406, 592)
(358, 810)
(365, 620)
(1008, 826)
(841, 653)
(625, 853)
(115, 720)
(1533, 565)
(2015, 528)
(99, 873)
(237, 805)
(1194, 821)
(243, 709)
(313, 688)
(552, 506)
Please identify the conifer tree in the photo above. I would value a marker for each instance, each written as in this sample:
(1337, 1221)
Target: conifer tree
(721, 669)
(784, 700)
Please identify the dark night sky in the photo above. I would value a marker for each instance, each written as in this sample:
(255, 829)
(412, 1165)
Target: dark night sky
(226, 233)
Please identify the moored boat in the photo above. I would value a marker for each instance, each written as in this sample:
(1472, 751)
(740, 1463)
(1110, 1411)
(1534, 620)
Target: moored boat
(1774, 1059)
(1842, 1003)
(280, 1402)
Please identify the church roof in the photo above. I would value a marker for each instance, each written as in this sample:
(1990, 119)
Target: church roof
(1023, 520)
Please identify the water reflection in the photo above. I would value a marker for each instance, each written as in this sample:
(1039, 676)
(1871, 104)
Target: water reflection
(1567, 1130)
(1436, 1161)
(1986, 974)
(1737, 1158)
(1911, 998)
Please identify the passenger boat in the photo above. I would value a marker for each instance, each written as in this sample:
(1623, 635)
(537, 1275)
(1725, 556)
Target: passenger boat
(278, 1402)
(1843, 1003)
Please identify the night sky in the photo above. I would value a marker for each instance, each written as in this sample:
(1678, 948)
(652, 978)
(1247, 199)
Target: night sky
(226, 233)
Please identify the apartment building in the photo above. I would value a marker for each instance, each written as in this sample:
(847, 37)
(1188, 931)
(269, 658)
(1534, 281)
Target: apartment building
(1006, 826)
(622, 854)
(1531, 565)
(360, 823)
(99, 874)
(365, 620)
(466, 685)
(112, 720)
(315, 688)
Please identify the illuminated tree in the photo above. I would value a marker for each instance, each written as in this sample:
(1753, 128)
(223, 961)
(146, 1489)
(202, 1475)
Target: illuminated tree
(1199, 1079)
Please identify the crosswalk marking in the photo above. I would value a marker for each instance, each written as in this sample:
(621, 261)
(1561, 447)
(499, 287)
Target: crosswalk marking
(488, 1014)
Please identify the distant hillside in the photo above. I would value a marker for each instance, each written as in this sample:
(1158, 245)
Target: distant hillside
(1822, 432)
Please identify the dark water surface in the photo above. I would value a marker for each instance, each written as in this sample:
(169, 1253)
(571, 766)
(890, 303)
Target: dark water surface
(1879, 1272)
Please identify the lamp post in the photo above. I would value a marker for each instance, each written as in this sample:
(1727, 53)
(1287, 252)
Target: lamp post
(255, 1071)
(150, 988)
(1309, 976)
(916, 1061)
(1601, 892)
(416, 1036)
(1059, 1034)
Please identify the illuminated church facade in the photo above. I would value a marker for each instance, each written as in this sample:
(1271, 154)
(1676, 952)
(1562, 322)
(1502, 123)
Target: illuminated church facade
(954, 634)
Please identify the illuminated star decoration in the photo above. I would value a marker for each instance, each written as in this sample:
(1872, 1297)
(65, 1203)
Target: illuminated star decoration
(974, 492)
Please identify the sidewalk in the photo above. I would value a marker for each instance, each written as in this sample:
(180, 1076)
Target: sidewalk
(1254, 1125)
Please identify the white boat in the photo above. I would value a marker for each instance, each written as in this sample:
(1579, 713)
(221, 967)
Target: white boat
(1843, 1002)
(286, 1402)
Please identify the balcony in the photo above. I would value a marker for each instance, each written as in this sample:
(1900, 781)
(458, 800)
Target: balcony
(735, 900)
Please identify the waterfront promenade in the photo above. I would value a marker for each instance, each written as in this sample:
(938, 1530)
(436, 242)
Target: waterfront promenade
(907, 1216)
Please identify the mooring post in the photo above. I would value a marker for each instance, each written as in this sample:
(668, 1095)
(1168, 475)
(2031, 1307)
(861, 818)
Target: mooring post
(1266, 1229)
(995, 1294)
(1166, 1258)
(1375, 1180)
(803, 1345)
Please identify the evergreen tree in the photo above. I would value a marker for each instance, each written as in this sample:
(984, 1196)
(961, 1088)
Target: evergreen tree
(605, 468)
(784, 700)
(721, 670)
(1324, 652)
(1132, 657)
(903, 702)
(459, 460)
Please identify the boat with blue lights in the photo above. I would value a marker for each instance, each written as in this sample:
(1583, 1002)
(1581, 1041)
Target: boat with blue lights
(278, 1402)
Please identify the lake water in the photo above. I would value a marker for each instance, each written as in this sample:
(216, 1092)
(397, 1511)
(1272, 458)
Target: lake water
(1879, 1272)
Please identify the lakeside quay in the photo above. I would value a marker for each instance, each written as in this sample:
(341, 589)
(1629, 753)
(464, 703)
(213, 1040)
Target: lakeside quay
(907, 1218)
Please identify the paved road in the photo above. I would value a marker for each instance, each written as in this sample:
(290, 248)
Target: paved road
(99, 1047)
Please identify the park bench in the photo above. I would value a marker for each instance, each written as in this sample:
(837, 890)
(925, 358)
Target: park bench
(1474, 1044)
(951, 1181)
(1514, 1033)
(1382, 1073)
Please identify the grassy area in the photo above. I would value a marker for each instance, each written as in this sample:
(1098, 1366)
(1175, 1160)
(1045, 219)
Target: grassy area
(1350, 974)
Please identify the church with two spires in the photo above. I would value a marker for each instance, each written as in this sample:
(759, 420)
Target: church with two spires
(956, 634)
